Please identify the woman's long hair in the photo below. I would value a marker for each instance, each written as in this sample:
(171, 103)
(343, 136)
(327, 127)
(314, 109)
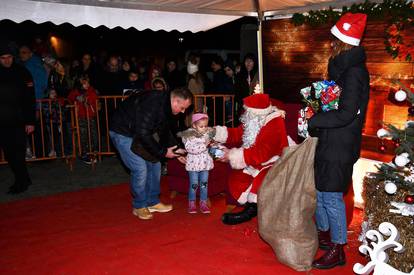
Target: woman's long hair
(243, 71)
(338, 47)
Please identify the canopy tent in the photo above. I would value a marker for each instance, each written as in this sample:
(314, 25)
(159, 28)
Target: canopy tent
(180, 15)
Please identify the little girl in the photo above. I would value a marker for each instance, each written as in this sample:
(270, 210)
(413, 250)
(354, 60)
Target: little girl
(199, 161)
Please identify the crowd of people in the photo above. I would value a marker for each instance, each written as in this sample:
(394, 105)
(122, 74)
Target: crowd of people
(80, 81)
(142, 126)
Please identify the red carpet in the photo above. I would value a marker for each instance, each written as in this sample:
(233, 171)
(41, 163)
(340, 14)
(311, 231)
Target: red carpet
(93, 232)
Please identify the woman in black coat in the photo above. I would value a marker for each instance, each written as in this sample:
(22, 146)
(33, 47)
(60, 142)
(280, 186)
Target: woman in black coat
(339, 132)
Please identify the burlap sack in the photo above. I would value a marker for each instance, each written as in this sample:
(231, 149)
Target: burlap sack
(286, 205)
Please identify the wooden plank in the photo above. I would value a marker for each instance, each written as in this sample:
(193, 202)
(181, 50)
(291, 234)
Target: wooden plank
(311, 35)
(391, 70)
(306, 57)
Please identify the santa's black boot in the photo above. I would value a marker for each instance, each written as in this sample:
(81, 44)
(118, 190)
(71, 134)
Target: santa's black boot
(249, 212)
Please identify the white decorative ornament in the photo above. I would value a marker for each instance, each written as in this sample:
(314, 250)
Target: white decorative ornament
(382, 133)
(402, 160)
(257, 89)
(403, 208)
(409, 123)
(379, 257)
(400, 95)
(390, 187)
(346, 26)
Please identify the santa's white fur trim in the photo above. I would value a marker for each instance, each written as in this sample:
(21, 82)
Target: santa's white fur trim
(221, 134)
(236, 158)
(291, 142)
(243, 197)
(257, 111)
(345, 38)
(252, 197)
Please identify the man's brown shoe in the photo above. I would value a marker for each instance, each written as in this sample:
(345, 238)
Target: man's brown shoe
(160, 207)
(142, 213)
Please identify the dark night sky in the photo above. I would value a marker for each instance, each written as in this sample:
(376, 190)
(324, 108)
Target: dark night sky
(126, 42)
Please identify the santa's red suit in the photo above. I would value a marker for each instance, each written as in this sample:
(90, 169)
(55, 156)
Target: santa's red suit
(252, 157)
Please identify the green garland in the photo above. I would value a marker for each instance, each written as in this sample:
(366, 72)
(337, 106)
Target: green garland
(397, 8)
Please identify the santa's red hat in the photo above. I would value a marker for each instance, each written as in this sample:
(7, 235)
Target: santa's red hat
(258, 103)
(350, 28)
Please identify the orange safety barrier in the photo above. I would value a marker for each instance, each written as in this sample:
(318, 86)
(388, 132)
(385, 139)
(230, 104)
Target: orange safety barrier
(62, 130)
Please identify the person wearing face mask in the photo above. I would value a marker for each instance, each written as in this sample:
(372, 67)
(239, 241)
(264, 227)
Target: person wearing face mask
(85, 98)
(195, 81)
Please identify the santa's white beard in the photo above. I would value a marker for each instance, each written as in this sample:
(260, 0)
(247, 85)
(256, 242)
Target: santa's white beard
(252, 123)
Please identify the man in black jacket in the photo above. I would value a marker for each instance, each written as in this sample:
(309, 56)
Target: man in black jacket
(339, 135)
(17, 115)
(140, 130)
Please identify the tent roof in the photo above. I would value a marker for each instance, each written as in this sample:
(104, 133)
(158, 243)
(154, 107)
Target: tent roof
(181, 15)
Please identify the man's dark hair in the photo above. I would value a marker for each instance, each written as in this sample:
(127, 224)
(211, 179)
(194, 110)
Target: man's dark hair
(218, 60)
(183, 93)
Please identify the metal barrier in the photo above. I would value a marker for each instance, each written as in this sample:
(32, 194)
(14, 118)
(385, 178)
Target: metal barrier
(66, 131)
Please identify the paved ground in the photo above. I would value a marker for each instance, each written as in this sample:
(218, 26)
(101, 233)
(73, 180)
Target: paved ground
(51, 177)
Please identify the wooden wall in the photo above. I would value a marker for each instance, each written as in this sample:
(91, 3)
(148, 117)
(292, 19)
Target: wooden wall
(296, 56)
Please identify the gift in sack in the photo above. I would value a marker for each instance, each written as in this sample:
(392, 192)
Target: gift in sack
(303, 116)
(286, 206)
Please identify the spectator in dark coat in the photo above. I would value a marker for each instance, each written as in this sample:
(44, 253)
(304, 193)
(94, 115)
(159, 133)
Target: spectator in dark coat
(17, 115)
(173, 76)
(140, 130)
(245, 81)
(218, 86)
(110, 82)
(339, 133)
(89, 68)
(133, 84)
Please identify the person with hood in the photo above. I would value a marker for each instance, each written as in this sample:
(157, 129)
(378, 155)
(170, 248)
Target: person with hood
(340, 132)
(17, 115)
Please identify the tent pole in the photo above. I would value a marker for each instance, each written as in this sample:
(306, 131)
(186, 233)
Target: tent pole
(260, 55)
(260, 16)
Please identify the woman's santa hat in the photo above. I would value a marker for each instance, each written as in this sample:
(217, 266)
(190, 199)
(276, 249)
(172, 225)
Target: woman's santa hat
(350, 28)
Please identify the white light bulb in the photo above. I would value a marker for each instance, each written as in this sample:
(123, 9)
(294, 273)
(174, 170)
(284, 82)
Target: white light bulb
(390, 187)
(401, 160)
(382, 133)
(400, 95)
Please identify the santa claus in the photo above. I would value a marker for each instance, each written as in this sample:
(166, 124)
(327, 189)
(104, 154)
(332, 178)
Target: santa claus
(258, 142)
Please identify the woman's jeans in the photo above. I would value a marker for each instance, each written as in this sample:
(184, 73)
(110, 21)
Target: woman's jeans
(331, 215)
(198, 179)
(145, 175)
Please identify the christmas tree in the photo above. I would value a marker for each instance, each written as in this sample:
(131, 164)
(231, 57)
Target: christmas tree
(389, 192)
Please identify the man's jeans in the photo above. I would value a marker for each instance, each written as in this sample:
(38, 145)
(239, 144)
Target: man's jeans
(198, 179)
(331, 215)
(145, 175)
